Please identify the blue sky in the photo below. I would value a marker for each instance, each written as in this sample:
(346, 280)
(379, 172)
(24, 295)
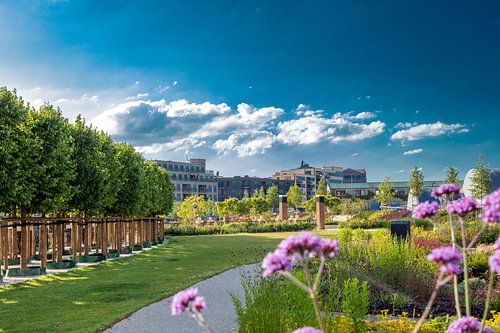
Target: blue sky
(258, 86)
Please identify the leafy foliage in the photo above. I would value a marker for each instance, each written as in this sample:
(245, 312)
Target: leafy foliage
(416, 182)
(481, 181)
(452, 176)
(192, 208)
(294, 195)
(385, 191)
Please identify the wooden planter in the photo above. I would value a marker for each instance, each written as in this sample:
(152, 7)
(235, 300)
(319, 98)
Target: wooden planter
(65, 264)
(91, 258)
(126, 250)
(113, 254)
(29, 271)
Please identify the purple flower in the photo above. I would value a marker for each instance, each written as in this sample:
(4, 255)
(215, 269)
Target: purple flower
(307, 330)
(462, 206)
(305, 244)
(329, 247)
(183, 299)
(467, 325)
(491, 207)
(274, 262)
(448, 258)
(496, 247)
(445, 189)
(426, 209)
(494, 262)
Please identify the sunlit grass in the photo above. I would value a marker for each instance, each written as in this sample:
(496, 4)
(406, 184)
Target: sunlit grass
(90, 298)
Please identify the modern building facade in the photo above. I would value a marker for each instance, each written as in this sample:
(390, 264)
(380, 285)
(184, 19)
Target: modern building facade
(370, 188)
(235, 187)
(354, 176)
(191, 178)
(307, 177)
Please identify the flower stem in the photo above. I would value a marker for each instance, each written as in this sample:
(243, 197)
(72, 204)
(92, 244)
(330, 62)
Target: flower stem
(466, 269)
(488, 298)
(439, 283)
(201, 321)
(455, 278)
(314, 296)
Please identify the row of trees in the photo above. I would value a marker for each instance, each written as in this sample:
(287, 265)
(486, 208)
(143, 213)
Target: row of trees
(481, 182)
(48, 165)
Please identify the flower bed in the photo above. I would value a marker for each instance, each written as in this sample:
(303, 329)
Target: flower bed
(237, 227)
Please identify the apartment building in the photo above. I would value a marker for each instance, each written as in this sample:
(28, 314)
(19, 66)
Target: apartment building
(235, 187)
(191, 178)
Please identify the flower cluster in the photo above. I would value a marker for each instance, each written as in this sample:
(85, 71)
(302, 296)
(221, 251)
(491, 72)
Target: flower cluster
(302, 246)
(307, 330)
(494, 260)
(187, 300)
(462, 206)
(426, 209)
(274, 262)
(491, 207)
(467, 325)
(445, 189)
(448, 258)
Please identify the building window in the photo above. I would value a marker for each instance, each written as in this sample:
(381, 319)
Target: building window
(176, 167)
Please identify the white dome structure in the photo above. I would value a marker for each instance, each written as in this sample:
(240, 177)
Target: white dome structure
(468, 185)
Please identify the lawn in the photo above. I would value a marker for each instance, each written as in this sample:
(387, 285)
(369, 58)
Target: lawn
(89, 299)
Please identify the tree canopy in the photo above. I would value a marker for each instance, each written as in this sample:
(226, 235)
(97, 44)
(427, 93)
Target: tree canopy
(416, 183)
(48, 165)
(452, 176)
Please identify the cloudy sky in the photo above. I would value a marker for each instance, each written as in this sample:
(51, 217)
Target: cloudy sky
(258, 86)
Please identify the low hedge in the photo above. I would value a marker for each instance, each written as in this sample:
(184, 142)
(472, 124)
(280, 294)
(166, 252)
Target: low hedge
(237, 227)
(356, 223)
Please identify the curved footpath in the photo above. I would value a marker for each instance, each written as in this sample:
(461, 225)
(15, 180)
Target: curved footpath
(220, 314)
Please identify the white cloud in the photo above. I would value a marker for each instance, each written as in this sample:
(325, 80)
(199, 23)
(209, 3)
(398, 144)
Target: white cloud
(422, 131)
(365, 115)
(142, 95)
(314, 128)
(413, 152)
(175, 145)
(405, 125)
(245, 144)
(400, 171)
(354, 154)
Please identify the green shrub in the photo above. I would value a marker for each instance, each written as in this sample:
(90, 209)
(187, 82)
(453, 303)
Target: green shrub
(355, 303)
(478, 264)
(237, 227)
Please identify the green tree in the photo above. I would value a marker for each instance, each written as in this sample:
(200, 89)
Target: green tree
(452, 176)
(310, 205)
(53, 184)
(91, 177)
(19, 154)
(272, 196)
(131, 193)
(385, 191)
(294, 196)
(258, 206)
(416, 183)
(245, 194)
(243, 207)
(192, 208)
(481, 180)
(332, 204)
(321, 189)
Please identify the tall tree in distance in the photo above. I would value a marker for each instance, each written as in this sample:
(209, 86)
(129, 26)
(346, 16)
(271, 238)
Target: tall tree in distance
(321, 189)
(53, 186)
(272, 196)
(416, 183)
(452, 176)
(481, 180)
(294, 195)
(385, 191)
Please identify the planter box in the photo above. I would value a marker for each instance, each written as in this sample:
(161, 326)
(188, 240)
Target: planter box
(113, 254)
(137, 247)
(65, 264)
(15, 261)
(91, 258)
(154, 243)
(30, 271)
(126, 250)
(146, 245)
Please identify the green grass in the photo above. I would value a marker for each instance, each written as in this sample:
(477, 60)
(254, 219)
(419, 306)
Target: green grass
(89, 299)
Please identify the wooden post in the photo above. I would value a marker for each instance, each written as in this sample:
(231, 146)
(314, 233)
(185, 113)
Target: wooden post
(320, 212)
(5, 244)
(13, 242)
(62, 234)
(105, 238)
(43, 244)
(283, 209)
(86, 238)
(24, 239)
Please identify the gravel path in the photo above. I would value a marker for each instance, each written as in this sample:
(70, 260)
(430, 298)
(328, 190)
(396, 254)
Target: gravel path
(219, 314)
